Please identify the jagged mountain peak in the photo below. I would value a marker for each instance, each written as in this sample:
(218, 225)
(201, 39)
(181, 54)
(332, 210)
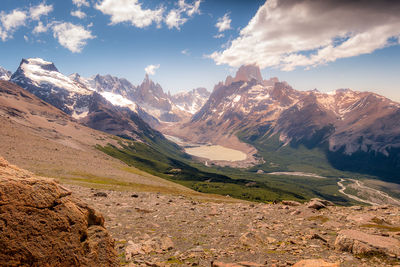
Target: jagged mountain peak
(151, 85)
(247, 73)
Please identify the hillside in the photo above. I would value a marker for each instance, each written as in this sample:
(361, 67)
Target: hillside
(46, 141)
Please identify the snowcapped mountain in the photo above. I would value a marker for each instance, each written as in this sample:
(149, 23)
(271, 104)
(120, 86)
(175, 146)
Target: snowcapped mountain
(191, 101)
(111, 84)
(151, 102)
(116, 91)
(348, 122)
(102, 109)
(152, 98)
(43, 79)
(4, 74)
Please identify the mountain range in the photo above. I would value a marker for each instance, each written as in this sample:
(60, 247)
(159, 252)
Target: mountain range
(72, 93)
(358, 131)
(354, 131)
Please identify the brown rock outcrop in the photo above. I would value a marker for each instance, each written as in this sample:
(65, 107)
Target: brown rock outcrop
(316, 203)
(41, 224)
(358, 242)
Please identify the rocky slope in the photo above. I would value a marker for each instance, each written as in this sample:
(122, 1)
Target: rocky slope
(42, 224)
(361, 126)
(170, 230)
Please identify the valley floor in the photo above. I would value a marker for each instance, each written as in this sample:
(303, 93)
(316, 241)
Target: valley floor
(154, 229)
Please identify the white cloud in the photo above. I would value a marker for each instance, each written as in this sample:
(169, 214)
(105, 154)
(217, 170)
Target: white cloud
(185, 52)
(3, 34)
(151, 69)
(190, 9)
(13, 20)
(224, 23)
(40, 28)
(26, 38)
(80, 3)
(220, 35)
(10, 22)
(78, 13)
(291, 33)
(72, 37)
(16, 18)
(174, 19)
(40, 10)
(130, 11)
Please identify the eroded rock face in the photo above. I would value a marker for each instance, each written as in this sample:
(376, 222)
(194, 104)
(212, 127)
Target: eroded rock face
(41, 224)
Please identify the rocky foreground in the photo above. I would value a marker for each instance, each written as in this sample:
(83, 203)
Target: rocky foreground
(45, 224)
(165, 230)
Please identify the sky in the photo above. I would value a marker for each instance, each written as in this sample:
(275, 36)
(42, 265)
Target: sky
(185, 44)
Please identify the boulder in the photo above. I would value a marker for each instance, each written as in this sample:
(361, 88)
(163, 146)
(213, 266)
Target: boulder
(42, 224)
(315, 263)
(132, 250)
(361, 243)
(316, 203)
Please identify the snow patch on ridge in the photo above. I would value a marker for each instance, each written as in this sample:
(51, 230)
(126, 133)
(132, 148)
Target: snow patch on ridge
(119, 100)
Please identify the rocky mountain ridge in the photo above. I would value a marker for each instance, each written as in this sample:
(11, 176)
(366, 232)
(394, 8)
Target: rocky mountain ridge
(149, 96)
(191, 101)
(148, 99)
(103, 110)
(349, 122)
(43, 79)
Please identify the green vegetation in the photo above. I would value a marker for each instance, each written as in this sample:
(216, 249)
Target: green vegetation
(171, 163)
(178, 169)
(314, 156)
(279, 157)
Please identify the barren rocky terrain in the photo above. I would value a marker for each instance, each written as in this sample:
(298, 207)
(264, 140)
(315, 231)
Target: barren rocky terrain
(153, 229)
